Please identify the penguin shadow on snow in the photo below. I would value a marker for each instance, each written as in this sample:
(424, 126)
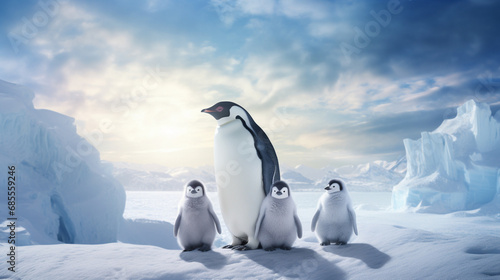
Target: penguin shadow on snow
(370, 255)
(301, 263)
(210, 259)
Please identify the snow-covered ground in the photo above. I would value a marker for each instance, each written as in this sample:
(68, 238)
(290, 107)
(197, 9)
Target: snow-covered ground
(390, 245)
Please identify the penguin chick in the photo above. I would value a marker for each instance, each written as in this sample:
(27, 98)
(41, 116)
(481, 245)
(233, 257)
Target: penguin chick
(335, 219)
(278, 224)
(194, 226)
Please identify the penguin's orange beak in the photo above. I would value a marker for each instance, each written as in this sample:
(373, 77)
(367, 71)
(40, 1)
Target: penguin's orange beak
(207, 111)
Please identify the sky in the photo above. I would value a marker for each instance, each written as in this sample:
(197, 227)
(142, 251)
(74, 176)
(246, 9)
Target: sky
(331, 82)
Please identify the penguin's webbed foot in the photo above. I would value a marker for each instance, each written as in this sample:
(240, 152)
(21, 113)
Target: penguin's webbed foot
(187, 250)
(286, 248)
(269, 249)
(240, 248)
(340, 243)
(205, 248)
(326, 243)
(228, 246)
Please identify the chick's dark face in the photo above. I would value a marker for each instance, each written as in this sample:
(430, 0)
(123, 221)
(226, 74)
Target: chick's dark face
(334, 186)
(194, 189)
(280, 190)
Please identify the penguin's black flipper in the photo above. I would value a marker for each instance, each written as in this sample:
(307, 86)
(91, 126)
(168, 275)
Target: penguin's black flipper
(266, 153)
(270, 164)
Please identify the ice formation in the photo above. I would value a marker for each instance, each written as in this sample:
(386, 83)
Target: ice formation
(63, 191)
(456, 167)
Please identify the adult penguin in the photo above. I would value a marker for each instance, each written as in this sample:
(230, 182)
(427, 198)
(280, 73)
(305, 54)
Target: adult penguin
(246, 166)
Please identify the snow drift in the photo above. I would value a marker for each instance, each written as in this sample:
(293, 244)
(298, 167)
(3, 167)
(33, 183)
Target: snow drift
(63, 192)
(455, 167)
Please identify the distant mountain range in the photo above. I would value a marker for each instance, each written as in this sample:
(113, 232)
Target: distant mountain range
(373, 176)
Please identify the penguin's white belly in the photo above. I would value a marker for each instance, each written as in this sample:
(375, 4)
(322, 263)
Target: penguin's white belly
(278, 227)
(238, 172)
(196, 228)
(334, 223)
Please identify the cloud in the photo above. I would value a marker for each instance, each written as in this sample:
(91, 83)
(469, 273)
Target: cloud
(260, 7)
(229, 11)
(347, 138)
(315, 10)
(456, 36)
(280, 59)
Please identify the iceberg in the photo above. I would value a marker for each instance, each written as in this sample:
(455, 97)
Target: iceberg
(454, 168)
(64, 193)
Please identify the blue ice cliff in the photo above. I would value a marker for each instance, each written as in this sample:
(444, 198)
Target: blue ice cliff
(64, 193)
(456, 167)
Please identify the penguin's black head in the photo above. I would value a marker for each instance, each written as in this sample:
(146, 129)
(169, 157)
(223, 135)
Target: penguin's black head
(226, 111)
(220, 109)
(280, 190)
(195, 189)
(334, 186)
